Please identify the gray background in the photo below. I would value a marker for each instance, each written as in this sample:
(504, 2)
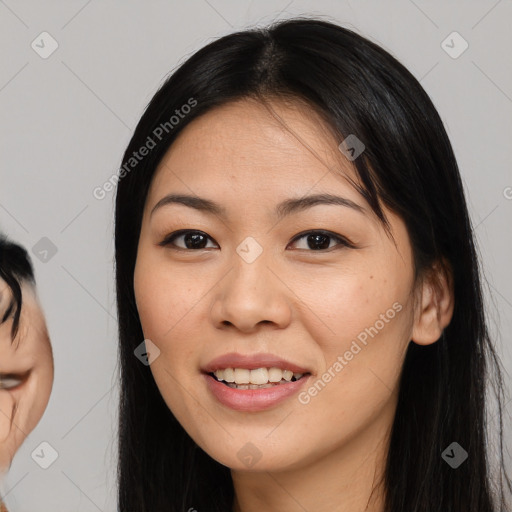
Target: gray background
(66, 120)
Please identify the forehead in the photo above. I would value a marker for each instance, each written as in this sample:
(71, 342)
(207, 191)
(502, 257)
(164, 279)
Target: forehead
(263, 148)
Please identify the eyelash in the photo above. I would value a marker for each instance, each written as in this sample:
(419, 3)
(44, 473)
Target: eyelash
(343, 242)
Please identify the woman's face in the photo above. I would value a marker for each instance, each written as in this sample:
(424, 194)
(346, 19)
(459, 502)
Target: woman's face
(26, 372)
(247, 284)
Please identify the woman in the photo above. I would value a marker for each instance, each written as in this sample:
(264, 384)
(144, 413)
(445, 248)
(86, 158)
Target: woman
(296, 274)
(26, 361)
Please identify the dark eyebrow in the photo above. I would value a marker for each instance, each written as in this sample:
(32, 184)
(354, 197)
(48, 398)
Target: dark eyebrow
(199, 203)
(283, 209)
(302, 203)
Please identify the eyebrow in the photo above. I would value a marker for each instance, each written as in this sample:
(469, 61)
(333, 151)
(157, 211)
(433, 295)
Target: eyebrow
(283, 209)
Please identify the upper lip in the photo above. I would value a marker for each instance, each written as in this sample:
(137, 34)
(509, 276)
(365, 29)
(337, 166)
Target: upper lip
(251, 362)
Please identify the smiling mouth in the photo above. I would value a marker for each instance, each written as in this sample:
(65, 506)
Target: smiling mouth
(234, 385)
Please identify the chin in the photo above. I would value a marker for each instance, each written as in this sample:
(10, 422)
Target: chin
(253, 457)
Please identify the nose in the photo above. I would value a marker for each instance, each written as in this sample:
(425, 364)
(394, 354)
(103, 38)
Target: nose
(251, 295)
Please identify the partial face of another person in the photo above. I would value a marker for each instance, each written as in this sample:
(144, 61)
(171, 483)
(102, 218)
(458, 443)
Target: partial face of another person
(26, 372)
(321, 287)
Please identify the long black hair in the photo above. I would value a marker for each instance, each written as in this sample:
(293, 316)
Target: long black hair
(409, 165)
(15, 268)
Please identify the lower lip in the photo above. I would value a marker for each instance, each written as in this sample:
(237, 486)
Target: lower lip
(250, 400)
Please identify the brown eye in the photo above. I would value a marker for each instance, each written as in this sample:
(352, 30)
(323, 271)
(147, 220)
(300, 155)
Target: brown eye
(193, 240)
(321, 240)
(317, 241)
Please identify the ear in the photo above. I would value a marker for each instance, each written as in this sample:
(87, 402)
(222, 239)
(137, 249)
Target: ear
(434, 304)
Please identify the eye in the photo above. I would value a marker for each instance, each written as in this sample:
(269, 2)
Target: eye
(319, 240)
(10, 381)
(196, 240)
(192, 239)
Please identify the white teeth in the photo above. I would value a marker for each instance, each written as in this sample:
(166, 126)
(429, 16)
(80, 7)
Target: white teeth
(287, 375)
(229, 375)
(249, 386)
(275, 374)
(242, 376)
(258, 377)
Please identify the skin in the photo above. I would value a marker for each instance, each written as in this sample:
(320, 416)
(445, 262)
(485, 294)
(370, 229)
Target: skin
(301, 303)
(29, 355)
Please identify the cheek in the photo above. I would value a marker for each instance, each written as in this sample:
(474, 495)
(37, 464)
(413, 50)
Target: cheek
(363, 357)
(361, 323)
(159, 295)
(167, 300)
(163, 307)
(343, 303)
